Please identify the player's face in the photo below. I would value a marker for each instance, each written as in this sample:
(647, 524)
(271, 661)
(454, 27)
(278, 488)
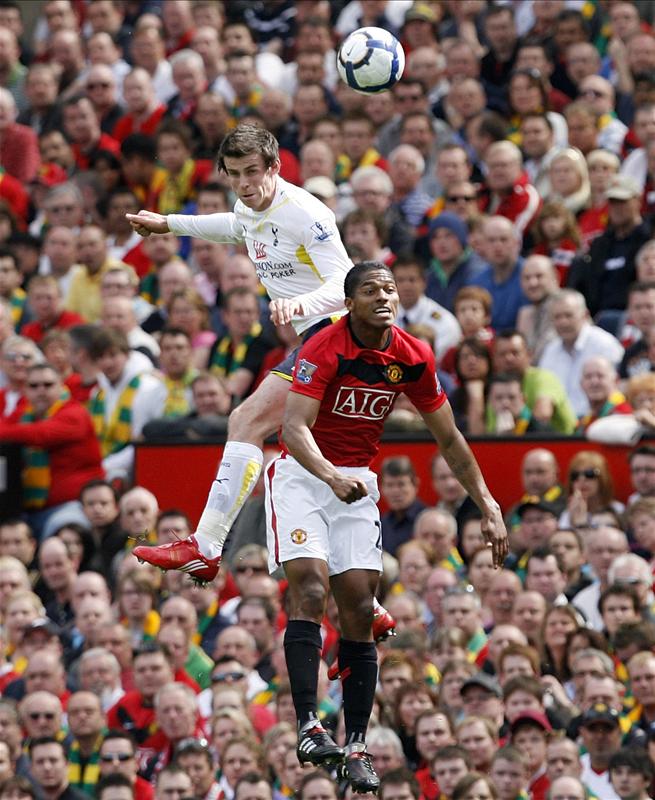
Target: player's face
(375, 301)
(251, 180)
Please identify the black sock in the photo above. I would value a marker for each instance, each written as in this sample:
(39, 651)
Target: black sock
(302, 648)
(358, 665)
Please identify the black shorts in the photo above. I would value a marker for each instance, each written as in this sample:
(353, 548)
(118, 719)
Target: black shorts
(285, 368)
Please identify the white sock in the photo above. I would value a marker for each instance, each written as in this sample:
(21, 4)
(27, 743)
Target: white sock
(237, 475)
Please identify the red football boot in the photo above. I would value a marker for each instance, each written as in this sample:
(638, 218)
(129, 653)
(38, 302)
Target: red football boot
(384, 626)
(184, 555)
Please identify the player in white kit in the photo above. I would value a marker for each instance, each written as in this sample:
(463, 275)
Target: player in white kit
(293, 241)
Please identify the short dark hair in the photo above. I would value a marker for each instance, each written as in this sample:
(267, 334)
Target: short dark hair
(314, 775)
(110, 781)
(396, 777)
(170, 331)
(452, 751)
(21, 784)
(567, 14)
(115, 733)
(356, 275)
(151, 648)
(619, 590)
(175, 127)
(634, 758)
(544, 552)
(642, 450)
(538, 115)
(252, 778)
(43, 740)
(505, 377)
(245, 140)
(398, 467)
(139, 144)
(259, 602)
(173, 512)
(639, 633)
(6, 252)
(108, 340)
(95, 484)
(524, 683)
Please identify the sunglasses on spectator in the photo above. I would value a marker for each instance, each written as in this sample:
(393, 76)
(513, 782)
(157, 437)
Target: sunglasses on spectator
(222, 677)
(584, 473)
(41, 385)
(249, 568)
(49, 715)
(456, 198)
(98, 85)
(109, 758)
(18, 356)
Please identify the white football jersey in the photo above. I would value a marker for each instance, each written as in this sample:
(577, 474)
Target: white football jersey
(294, 245)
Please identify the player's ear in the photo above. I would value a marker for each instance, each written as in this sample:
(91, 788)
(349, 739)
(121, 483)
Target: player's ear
(348, 303)
(275, 167)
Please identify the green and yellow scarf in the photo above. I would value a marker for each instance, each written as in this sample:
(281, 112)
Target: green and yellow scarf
(17, 302)
(116, 434)
(177, 404)
(84, 776)
(221, 363)
(345, 166)
(36, 461)
(176, 189)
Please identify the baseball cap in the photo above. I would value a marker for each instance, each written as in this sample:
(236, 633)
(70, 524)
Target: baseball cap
(320, 185)
(540, 503)
(421, 11)
(42, 624)
(622, 187)
(453, 223)
(531, 715)
(484, 681)
(600, 712)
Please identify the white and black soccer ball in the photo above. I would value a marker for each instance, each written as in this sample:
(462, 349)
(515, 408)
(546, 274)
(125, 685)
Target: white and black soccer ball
(370, 60)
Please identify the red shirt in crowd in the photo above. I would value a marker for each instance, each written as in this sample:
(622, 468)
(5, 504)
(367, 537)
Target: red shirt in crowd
(36, 331)
(72, 446)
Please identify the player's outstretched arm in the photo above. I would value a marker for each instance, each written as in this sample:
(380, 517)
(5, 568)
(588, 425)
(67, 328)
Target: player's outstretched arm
(453, 447)
(147, 222)
(299, 415)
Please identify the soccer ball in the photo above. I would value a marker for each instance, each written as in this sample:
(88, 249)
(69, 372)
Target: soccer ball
(370, 60)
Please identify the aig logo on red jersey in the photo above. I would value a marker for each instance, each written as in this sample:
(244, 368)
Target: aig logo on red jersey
(362, 403)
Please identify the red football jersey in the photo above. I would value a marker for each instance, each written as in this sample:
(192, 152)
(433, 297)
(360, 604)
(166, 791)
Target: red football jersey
(357, 387)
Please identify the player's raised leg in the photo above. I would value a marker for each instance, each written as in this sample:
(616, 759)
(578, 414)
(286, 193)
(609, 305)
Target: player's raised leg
(358, 665)
(254, 420)
(307, 598)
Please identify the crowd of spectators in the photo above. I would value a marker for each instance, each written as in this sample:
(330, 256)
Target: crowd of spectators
(508, 180)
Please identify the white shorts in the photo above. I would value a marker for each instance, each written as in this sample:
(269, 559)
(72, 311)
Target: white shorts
(305, 519)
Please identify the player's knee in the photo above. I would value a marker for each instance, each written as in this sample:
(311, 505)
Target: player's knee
(357, 615)
(310, 598)
(247, 419)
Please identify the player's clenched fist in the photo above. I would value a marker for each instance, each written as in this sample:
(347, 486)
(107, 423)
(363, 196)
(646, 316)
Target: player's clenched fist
(284, 309)
(147, 222)
(348, 488)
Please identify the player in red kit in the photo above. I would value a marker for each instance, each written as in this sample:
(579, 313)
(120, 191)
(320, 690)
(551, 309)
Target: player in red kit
(321, 496)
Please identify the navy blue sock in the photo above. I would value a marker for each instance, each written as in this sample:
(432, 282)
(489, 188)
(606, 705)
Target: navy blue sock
(358, 665)
(302, 648)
